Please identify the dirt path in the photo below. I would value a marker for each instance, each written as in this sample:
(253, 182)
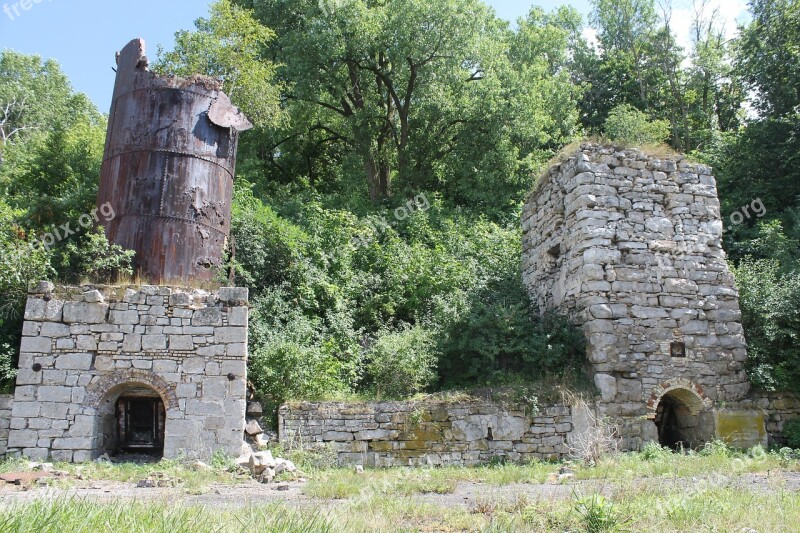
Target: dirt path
(467, 494)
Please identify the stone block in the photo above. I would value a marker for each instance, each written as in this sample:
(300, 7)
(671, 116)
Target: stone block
(85, 313)
(208, 316)
(23, 438)
(132, 343)
(181, 342)
(86, 343)
(54, 330)
(74, 361)
(154, 342)
(123, 317)
(36, 345)
(46, 311)
(226, 335)
(237, 316)
(194, 365)
(104, 363)
(54, 394)
(607, 385)
(233, 296)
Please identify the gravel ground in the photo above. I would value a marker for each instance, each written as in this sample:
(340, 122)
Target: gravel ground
(466, 494)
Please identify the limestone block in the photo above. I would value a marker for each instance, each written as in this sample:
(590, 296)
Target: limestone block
(36, 345)
(208, 316)
(86, 343)
(47, 311)
(123, 317)
(93, 296)
(132, 343)
(23, 438)
(154, 342)
(194, 365)
(181, 342)
(164, 366)
(103, 363)
(180, 299)
(54, 394)
(607, 385)
(85, 313)
(230, 334)
(237, 316)
(54, 330)
(233, 296)
(74, 361)
(337, 436)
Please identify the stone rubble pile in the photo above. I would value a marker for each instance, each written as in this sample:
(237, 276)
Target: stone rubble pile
(263, 466)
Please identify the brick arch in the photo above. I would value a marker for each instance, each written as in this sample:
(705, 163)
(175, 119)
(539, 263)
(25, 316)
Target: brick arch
(685, 391)
(97, 391)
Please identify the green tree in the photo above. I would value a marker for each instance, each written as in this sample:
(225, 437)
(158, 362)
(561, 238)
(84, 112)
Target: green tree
(768, 58)
(628, 125)
(229, 46)
(420, 94)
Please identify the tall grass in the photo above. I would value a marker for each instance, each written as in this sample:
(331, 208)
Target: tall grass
(81, 516)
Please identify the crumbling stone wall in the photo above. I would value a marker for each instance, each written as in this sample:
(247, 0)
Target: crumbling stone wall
(778, 408)
(629, 246)
(82, 347)
(430, 432)
(6, 400)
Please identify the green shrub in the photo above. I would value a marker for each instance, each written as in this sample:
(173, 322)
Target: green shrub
(791, 433)
(8, 368)
(96, 259)
(652, 451)
(770, 298)
(402, 362)
(628, 125)
(716, 448)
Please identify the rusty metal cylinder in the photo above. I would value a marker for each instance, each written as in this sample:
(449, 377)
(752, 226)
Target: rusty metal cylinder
(168, 170)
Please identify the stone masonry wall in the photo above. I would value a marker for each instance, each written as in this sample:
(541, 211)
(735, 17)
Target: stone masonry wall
(777, 407)
(430, 432)
(6, 401)
(83, 347)
(629, 246)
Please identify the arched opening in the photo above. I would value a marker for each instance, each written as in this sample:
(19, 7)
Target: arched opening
(132, 421)
(681, 421)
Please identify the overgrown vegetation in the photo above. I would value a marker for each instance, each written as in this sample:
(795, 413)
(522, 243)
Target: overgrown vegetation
(377, 203)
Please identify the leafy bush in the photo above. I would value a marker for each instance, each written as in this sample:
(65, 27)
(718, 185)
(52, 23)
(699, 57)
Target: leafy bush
(791, 433)
(770, 299)
(716, 448)
(402, 362)
(628, 125)
(8, 368)
(289, 356)
(95, 258)
(653, 451)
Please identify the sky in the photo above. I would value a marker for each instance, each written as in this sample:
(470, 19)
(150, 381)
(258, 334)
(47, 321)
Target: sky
(83, 35)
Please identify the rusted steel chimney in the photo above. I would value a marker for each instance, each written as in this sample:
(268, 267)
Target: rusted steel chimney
(168, 169)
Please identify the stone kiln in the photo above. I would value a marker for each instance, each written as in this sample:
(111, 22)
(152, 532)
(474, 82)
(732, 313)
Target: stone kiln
(629, 246)
(151, 369)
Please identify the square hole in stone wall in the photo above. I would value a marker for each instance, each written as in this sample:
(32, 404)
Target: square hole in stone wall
(677, 349)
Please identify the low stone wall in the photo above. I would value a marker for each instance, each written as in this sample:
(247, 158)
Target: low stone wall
(430, 432)
(6, 402)
(778, 408)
